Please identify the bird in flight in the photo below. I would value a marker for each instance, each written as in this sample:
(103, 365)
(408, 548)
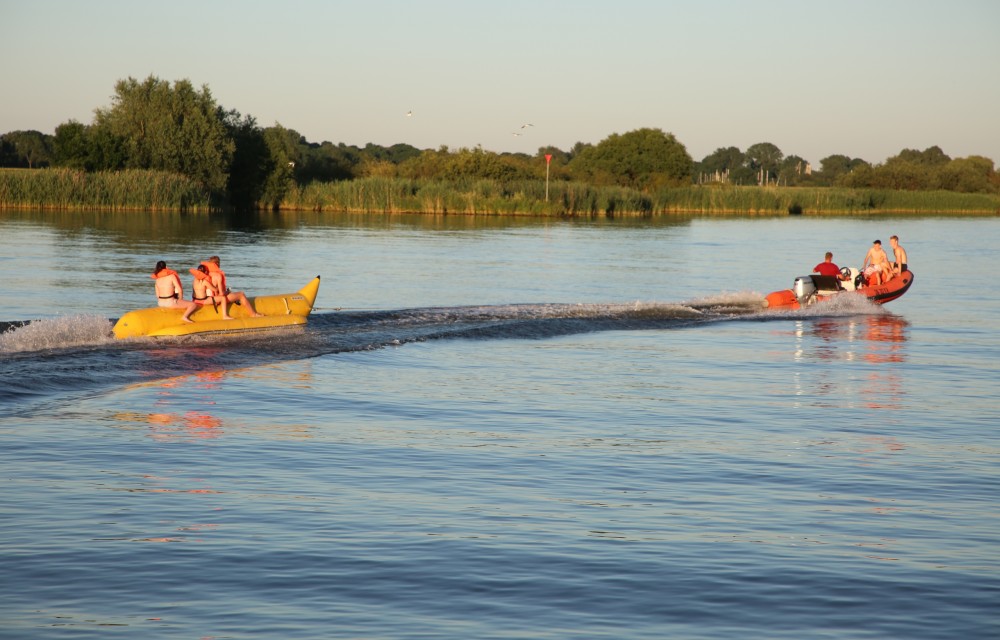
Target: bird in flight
(409, 114)
(515, 134)
(526, 125)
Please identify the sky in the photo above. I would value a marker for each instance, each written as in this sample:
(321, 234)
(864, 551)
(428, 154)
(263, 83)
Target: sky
(861, 78)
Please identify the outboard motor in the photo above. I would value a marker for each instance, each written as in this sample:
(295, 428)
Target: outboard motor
(803, 288)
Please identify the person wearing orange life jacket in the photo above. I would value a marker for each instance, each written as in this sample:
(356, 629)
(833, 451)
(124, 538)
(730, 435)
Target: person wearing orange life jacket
(217, 278)
(169, 292)
(201, 288)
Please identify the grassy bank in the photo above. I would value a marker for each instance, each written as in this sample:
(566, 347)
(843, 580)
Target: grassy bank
(149, 190)
(395, 195)
(481, 197)
(824, 200)
(131, 190)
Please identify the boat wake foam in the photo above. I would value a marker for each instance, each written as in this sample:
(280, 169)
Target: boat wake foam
(835, 306)
(51, 357)
(56, 333)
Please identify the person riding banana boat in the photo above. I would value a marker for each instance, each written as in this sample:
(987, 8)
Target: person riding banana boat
(174, 317)
(210, 286)
(202, 292)
(170, 292)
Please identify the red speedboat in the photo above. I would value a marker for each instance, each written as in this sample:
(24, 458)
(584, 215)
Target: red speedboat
(808, 290)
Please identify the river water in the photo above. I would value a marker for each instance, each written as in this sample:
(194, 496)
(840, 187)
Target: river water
(500, 428)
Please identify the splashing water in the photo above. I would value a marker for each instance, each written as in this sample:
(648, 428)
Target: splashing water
(57, 333)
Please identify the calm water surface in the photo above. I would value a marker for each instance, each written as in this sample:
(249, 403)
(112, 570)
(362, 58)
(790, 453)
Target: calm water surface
(500, 429)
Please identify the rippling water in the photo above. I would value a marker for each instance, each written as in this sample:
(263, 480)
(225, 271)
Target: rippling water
(500, 429)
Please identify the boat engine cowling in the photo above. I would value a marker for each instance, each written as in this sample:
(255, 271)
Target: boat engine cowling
(804, 287)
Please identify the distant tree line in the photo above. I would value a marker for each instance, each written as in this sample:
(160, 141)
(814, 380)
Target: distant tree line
(911, 170)
(155, 125)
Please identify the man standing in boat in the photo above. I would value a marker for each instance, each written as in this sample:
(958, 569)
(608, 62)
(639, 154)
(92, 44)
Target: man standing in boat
(899, 266)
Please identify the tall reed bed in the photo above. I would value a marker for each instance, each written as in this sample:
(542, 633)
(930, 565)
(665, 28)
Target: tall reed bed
(129, 190)
(820, 200)
(159, 191)
(491, 197)
(467, 196)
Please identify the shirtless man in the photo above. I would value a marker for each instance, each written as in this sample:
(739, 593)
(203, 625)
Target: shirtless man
(169, 292)
(218, 282)
(876, 264)
(899, 266)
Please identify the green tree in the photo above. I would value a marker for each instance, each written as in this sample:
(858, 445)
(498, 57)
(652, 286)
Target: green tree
(71, 146)
(904, 175)
(577, 149)
(764, 158)
(395, 154)
(793, 170)
(251, 164)
(859, 177)
(834, 166)
(719, 165)
(642, 159)
(900, 174)
(477, 163)
(170, 128)
(8, 154)
(558, 167)
(326, 162)
(27, 149)
(929, 157)
(967, 175)
(284, 152)
(430, 164)
(107, 151)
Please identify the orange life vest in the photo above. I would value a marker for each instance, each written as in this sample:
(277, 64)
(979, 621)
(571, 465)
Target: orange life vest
(166, 273)
(213, 269)
(209, 290)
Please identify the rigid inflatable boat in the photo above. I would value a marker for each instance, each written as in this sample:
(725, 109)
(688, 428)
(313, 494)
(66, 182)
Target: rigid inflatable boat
(809, 290)
(282, 310)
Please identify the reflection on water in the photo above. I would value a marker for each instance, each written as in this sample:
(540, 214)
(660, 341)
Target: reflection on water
(185, 407)
(876, 340)
(150, 227)
(97, 262)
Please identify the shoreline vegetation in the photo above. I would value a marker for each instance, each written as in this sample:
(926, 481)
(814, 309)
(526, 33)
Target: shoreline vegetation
(148, 190)
(164, 146)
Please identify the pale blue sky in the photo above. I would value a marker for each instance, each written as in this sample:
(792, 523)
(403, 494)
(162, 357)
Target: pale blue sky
(864, 78)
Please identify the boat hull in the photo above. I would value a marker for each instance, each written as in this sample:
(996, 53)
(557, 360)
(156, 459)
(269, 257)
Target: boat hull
(879, 294)
(282, 310)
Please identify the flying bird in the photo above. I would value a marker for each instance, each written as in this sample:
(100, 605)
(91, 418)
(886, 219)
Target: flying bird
(409, 114)
(515, 134)
(526, 125)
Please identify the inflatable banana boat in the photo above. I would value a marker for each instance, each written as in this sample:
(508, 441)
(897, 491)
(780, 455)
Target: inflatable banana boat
(282, 310)
(809, 290)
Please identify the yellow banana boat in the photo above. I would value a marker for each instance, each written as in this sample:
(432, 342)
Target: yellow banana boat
(282, 310)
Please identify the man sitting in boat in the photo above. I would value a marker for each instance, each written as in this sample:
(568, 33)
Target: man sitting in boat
(829, 268)
(217, 280)
(169, 292)
(875, 267)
